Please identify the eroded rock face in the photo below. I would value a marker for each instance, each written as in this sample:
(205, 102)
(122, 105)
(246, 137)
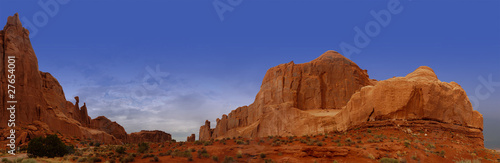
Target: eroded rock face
(325, 83)
(205, 131)
(154, 136)
(331, 93)
(418, 95)
(104, 124)
(42, 106)
(191, 138)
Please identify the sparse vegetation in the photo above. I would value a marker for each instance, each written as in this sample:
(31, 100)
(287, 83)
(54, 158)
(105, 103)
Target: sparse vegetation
(388, 160)
(143, 147)
(50, 146)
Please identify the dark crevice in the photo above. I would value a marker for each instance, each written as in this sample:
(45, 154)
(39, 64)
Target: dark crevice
(369, 117)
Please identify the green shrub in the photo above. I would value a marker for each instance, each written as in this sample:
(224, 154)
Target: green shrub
(215, 158)
(129, 158)
(154, 159)
(388, 160)
(120, 150)
(203, 153)
(143, 147)
(262, 155)
(50, 146)
(82, 159)
(207, 143)
(181, 153)
(147, 155)
(29, 161)
(442, 153)
(5, 160)
(228, 159)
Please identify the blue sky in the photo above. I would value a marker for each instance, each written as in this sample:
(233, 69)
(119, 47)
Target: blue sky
(170, 65)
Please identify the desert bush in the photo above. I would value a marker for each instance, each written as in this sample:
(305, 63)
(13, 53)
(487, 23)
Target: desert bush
(268, 161)
(94, 159)
(166, 153)
(203, 153)
(215, 158)
(154, 159)
(262, 155)
(177, 153)
(240, 142)
(147, 155)
(228, 159)
(129, 158)
(407, 144)
(120, 150)
(82, 159)
(442, 153)
(207, 143)
(50, 146)
(29, 161)
(388, 160)
(5, 160)
(143, 147)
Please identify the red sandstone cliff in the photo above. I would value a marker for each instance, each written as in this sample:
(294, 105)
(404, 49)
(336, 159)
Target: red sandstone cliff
(42, 107)
(290, 93)
(331, 93)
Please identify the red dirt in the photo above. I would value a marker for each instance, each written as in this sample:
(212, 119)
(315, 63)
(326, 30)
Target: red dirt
(357, 145)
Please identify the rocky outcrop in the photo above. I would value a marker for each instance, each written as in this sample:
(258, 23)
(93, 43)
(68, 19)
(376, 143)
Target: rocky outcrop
(191, 138)
(154, 136)
(104, 124)
(331, 93)
(205, 131)
(41, 105)
(325, 83)
(419, 95)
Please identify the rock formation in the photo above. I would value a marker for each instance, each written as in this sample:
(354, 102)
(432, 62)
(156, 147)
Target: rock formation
(41, 104)
(325, 83)
(417, 96)
(191, 138)
(41, 101)
(331, 93)
(154, 136)
(104, 124)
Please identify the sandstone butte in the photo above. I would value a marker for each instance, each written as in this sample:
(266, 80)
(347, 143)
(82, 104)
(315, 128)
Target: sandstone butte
(42, 107)
(332, 94)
